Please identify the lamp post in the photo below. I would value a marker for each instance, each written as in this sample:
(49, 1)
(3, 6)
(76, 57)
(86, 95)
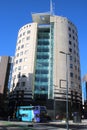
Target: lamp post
(67, 123)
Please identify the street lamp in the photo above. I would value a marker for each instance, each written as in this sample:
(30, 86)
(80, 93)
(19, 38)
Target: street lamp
(67, 123)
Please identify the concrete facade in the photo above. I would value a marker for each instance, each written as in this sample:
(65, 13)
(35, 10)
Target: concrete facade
(66, 40)
(23, 68)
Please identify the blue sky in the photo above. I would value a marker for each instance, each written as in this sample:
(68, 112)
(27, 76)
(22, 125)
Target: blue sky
(16, 13)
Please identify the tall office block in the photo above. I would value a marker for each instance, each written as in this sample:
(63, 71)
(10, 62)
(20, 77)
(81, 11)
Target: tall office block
(39, 71)
(5, 73)
(5, 69)
(85, 81)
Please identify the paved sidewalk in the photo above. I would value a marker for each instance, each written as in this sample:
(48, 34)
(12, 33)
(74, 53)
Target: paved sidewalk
(56, 125)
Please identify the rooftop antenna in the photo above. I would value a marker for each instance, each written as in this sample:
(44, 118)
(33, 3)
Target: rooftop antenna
(51, 8)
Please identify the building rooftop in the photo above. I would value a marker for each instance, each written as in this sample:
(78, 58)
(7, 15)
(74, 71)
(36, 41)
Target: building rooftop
(41, 18)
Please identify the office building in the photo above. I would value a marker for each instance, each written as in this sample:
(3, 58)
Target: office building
(41, 71)
(5, 78)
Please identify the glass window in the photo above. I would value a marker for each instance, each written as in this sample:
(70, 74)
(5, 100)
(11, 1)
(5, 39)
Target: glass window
(75, 59)
(73, 38)
(71, 58)
(79, 78)
(19, 48)
(69, 29)
(42, 79)
(17, 54)
(23, 33)
(42, 56)
(41, 71)
(70, 43)
(70, 50)
(69, 35)
(16, 61)
(43, 64)
(21, 53)
(20, 60)
(28, 38)
(42, 49)
(71, 66)
(19, 68)
(19, 41)
(43, 43)
(22, 46)
(28, 31)
(20, 35)
(71, 74)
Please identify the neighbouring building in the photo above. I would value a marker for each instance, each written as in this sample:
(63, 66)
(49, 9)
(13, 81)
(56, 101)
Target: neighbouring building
(85, 87)
(5, 73)
(84, 97)
(46, 58)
